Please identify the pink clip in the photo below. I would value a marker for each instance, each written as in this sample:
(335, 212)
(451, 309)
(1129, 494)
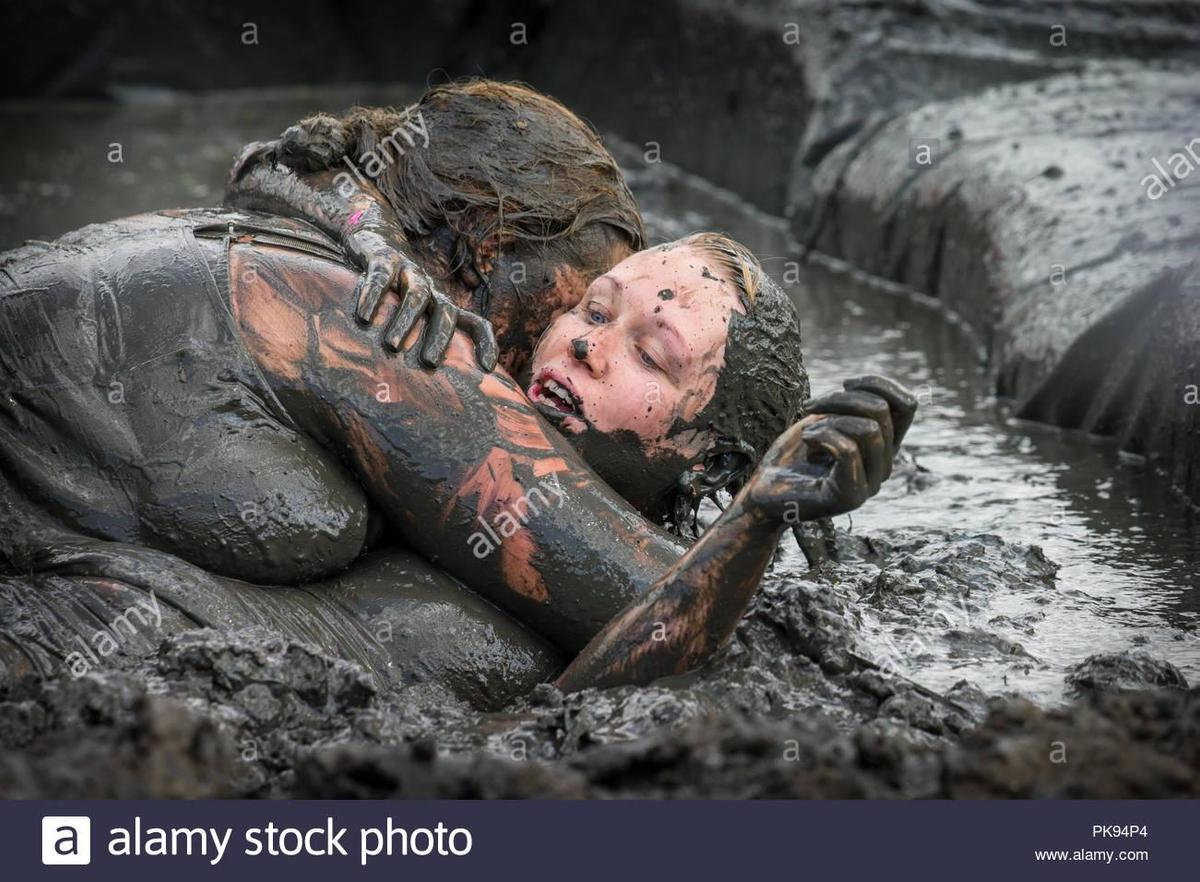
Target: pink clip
(354, 218)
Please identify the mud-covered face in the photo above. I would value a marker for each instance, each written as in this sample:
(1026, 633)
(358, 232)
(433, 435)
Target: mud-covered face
(625, 373)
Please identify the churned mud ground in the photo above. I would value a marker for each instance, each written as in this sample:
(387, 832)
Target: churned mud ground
(789, 709)
(806, 701)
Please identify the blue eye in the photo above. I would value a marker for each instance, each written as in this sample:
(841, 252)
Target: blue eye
(597, 317)
(647, 360)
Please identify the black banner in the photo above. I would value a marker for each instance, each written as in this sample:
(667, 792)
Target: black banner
(598, 840)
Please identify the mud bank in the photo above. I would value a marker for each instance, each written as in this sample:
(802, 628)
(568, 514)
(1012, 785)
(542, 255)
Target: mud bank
(1053, 219)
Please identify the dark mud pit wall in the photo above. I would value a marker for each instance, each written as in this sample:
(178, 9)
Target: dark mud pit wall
(1053, 223)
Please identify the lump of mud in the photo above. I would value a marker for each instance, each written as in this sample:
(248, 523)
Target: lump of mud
(1135, 745)
(209, 715)
(355, 771)
(1131, 745)
(1123, 671)
(725, 755)
(105, 736)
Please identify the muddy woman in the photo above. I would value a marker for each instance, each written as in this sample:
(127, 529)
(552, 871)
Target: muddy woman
(191, 407)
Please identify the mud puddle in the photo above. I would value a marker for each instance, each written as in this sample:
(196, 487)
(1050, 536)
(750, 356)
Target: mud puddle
(1126, 549)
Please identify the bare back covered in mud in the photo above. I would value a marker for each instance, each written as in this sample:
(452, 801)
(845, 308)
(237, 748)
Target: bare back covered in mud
(149, 467)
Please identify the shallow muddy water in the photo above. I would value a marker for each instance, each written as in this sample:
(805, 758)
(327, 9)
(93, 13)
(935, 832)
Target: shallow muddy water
(1126, 548)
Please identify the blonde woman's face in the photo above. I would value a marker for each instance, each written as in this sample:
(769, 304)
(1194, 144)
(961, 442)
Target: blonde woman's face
(642, 348)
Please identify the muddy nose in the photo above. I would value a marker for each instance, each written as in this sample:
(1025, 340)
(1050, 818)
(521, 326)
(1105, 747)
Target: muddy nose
(579, 347)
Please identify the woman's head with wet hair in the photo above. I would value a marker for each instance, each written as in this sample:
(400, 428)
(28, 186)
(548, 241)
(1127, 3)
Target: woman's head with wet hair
(517, 190)
(760, 390)
(675, 373)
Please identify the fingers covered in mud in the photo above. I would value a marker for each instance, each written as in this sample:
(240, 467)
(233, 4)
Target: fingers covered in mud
(380, 275)
(856, 403)
(487, 351)
(415, 299)
(874, 453)
(902, 402)
(442, 323)
(853, 446)
(418, 300)
(825, 465)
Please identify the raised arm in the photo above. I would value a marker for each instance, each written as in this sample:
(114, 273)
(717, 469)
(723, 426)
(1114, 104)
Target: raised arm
(296, 176)
(828, 463)
(475, 479)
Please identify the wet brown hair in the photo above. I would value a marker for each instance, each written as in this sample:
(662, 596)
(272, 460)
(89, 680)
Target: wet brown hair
(503, 161)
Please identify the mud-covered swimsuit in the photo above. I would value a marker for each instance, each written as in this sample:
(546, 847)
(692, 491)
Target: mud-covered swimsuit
(142, 450)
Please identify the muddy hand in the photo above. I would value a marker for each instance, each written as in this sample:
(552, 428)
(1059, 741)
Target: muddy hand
(824, 465)
(388, 268)
(875, 398)
(902, 404)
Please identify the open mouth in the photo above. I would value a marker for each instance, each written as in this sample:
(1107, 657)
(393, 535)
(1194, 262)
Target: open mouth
(552, 392)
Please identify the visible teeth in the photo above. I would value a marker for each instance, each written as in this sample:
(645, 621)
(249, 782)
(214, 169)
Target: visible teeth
(558, 391)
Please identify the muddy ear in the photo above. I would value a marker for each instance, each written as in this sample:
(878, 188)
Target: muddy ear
(727, 469)
(460, 259)
(473, 265)
(474, 260)
(478, 264)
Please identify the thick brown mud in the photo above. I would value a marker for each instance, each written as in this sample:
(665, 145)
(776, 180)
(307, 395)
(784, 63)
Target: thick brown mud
(789, 709)
(1015, 614)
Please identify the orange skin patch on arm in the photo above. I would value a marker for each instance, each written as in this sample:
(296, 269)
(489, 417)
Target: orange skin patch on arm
(495, 489)
(338, 348)
(516, 562)
(548, 466)
(521, 429)
(501, 388)
(280, 329)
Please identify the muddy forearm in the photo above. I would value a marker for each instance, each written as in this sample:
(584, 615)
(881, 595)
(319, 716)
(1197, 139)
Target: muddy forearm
(514, 513)
(457, 458)
(258, 185)
(689, 612)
